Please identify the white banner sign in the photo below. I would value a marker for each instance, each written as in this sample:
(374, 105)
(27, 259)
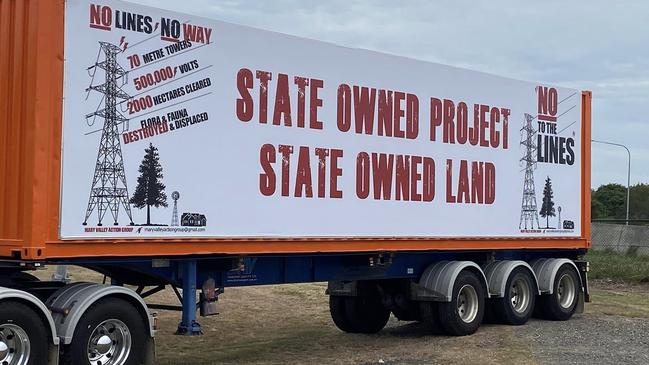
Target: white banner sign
(178, 126)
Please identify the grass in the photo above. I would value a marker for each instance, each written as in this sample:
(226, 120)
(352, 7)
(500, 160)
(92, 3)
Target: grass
(617, 266)
(621, 302)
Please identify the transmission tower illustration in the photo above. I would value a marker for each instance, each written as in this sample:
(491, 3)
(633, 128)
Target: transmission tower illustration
(529, 213)
(174, 217)
(109, 191)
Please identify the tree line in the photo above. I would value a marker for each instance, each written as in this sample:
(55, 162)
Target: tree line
(609, 202)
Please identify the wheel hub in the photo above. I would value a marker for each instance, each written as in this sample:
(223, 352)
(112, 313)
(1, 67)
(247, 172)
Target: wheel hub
(4, 350)
(104, 344)
(520, 295)
(566, 291)
(109, 343)
(467, 303)
(15, 346)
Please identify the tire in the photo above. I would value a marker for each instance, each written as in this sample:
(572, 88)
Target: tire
(407, 315)
(517, 305)
(539, 311)
(562, 303)
(463, 314)
(338, 310)
(430, 317)
(366, 314)
(17, 279)
(489, 313)
(22, 276)
(19, 323)
(111, 319)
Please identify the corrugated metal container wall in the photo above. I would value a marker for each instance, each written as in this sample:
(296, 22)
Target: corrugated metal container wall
(31, 88)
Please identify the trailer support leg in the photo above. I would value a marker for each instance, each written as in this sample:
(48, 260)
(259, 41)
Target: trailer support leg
(188, 325)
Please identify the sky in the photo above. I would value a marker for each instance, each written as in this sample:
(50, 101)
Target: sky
(588, 45)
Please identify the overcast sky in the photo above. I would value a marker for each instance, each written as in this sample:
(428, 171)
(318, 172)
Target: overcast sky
(589, 45)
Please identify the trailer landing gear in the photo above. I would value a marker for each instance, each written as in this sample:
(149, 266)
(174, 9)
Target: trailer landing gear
(188, 325)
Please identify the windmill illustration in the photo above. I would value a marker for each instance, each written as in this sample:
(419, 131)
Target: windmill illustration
(174, 218)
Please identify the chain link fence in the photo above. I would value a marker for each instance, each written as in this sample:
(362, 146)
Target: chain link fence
(621, 238)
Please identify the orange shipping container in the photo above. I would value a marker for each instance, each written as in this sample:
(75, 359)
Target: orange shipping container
(31, 127)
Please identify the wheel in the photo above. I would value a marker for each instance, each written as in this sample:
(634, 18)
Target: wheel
(489, 313)
(517, 305)
(404, 309)
(366, 314)
(562, 303)
(411, 314)
(358, 314)
(23, 337)
(22, 276)
(338, 310)
(110, 332)
(463, 314)
(429, 312)
(16, 279)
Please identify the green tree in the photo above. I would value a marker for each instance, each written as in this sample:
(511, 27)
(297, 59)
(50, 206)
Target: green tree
(613, 199)
(547, 208)
(639, 202)
(597, 209)
(150, 189)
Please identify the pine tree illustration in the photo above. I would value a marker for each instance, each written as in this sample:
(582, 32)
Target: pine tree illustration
(150, 189)
(547, 209)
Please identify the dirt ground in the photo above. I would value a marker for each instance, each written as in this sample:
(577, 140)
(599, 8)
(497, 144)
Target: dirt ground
(290, 324)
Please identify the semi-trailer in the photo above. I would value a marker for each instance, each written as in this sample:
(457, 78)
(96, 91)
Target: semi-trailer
(169, 150)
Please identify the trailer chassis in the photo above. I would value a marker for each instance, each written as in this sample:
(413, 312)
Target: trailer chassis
(414, 285)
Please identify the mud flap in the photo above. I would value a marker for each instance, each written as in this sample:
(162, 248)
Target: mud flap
(580, 302)
(150, 353)
(584, 267)
(53, 355)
